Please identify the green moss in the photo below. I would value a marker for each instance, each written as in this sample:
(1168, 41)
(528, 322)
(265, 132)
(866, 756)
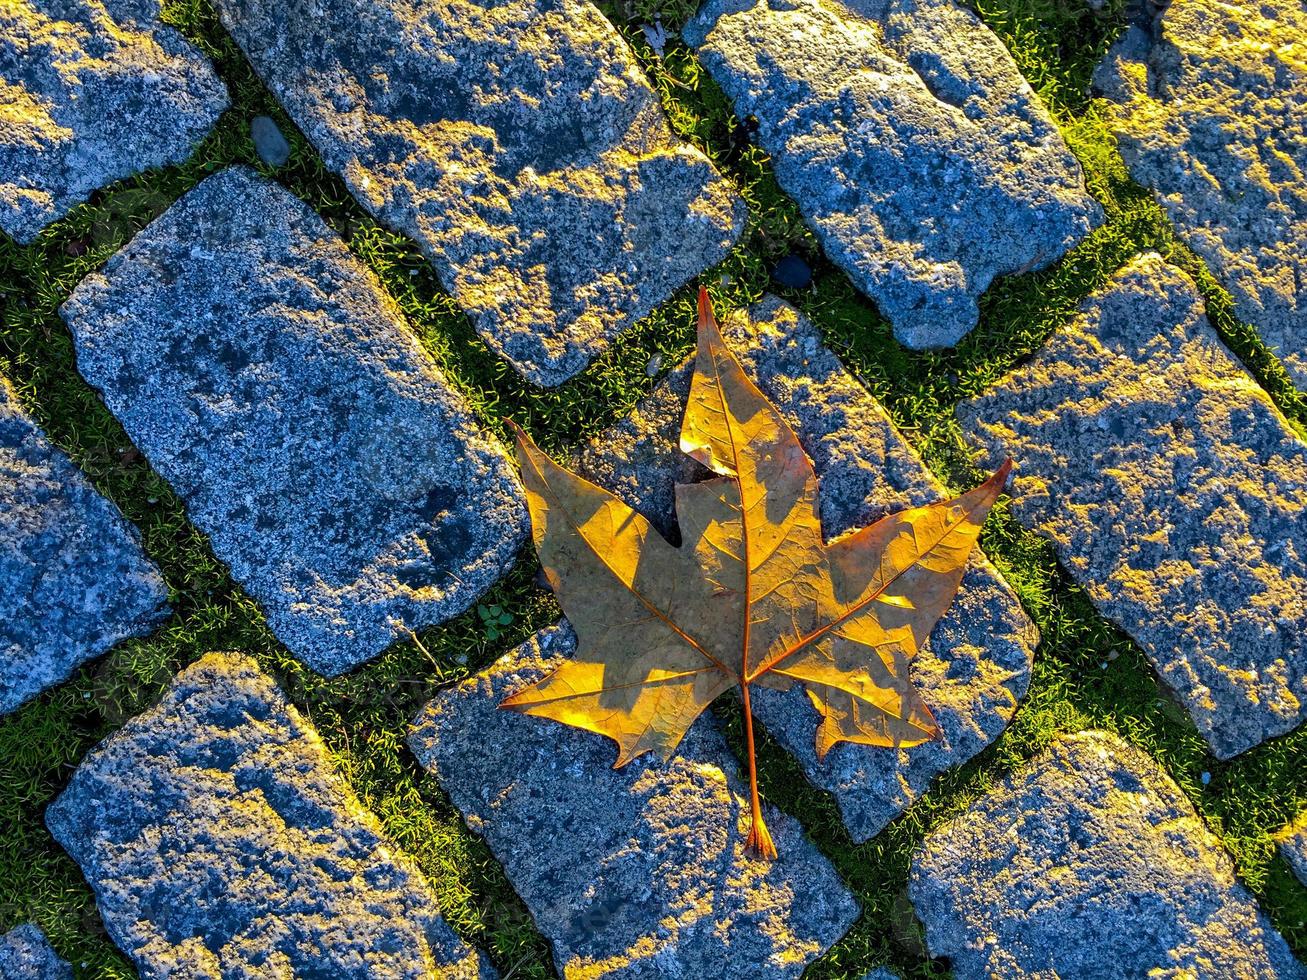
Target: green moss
(1086, 672)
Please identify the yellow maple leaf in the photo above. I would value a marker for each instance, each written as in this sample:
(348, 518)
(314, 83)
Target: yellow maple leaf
(754, 595)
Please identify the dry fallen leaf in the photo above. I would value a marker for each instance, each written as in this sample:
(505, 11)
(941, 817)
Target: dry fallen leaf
(753, 596)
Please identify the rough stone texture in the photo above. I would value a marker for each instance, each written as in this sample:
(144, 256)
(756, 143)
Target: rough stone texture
(518, 144)
(1090, 863)
(219, 841)
(632, 872)
(977, 664)
(1293, 846)
(271, 381)
(73, 578)
(1210, 111)
(1174, 492)
(92, 91)
(26, 955)
(909, 140)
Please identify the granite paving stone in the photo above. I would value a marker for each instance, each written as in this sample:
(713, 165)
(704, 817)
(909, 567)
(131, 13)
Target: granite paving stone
(1208, 101)
(632, 872)
(73, 578)
(517, 143)
(909, 140)
(220, 842)
(976, 666)
(1174, 492)
(25, 954)
(1293, 846)
(269, 378)
(1090, 863)
(92, 91)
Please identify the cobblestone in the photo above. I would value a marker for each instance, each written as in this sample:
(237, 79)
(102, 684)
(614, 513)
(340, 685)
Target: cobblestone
(517, 143)
(266, 375)
(1209, 106)
(73, 579)
(1173, 491)
(1090, 862)
(909, 140)
(92, 91)
(220, 842)
(632, 872)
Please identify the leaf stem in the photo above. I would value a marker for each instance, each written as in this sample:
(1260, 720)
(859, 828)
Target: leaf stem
(759, 843)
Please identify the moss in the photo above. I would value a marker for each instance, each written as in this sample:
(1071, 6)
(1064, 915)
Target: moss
(1086, 673)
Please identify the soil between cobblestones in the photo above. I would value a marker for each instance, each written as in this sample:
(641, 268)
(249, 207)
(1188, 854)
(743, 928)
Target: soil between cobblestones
(1086, 673)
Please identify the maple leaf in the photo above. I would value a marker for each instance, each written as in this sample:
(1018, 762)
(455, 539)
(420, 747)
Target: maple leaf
(754, 595)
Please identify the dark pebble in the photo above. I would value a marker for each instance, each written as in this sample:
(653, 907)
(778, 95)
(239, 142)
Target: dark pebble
(792, 272)
(270, 145)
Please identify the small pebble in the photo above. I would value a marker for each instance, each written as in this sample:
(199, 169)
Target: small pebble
(654, 366)
(270, 145)
(792, 272)
(1206, 778)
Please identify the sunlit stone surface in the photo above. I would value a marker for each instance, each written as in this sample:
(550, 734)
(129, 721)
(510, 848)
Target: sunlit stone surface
(266, 375)
(977, 664)
(632, 872)
(1293, 846)
(73, 578)
(1174, 492)
(92, 91)
(519, 145)
(1209, 105)
(220, 842)
(1089, 863)
(910, 142)
(26, 955)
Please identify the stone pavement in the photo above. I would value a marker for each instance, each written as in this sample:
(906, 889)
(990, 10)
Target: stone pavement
(1090, 862)
(521, 147)
(632, 872)
(73, 578)
(1209, 105)
(975, 667)
(909, 140)
(266, 375)
(220, 842)
(92, 91)
(1174, 491)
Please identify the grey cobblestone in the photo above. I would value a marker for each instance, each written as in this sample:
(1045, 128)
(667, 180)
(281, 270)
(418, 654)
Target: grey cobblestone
(220, 842)
(25, 954)
(93, 91)
(269, 378)
(1090, 863)
(518, 143)
(73, 578)
(909, 140)
(1209, 106)
(632, 872)
(1173, 491)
